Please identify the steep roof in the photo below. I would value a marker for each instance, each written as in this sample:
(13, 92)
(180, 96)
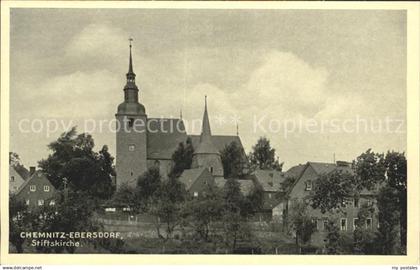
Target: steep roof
(162, 141)
(219, 141)
(188, 177)
(206, 146)
(322, 167)
(37, 177)
(270, 180)
(295, 171)
(164, 136)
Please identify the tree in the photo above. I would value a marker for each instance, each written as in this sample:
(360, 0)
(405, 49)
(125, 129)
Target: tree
(73, 159)
(233, 213)
(20, 220)
(127, 195)
(389, 218)
(16, 163)
(182, 158)
(202, 212)
(396, 171)
(147, 185)
(263, 156)
(369, 170)
(167, 203)
(331, 189)
(253, 202)
(364, 236)
(232, 160)
(332, 239)
(301, 223)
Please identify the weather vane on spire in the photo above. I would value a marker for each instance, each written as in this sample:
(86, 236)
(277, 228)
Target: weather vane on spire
(130, 40)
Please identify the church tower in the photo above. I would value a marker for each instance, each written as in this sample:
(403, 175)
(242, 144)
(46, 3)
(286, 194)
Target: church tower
(206, 154)
(131, 133)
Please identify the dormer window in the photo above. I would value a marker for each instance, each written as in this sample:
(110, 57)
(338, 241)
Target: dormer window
(32, 188)
(12, 179)
(308, 185)
(46, 188)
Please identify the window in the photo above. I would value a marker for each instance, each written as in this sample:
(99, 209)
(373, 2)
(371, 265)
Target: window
(27, 202)
(270, 184)
(46, 188)
(211, 169)
(356, 202)
(269, 195)
(131, 173)
(12, 179)
(195, 194)
(52, 203)
(368, 223)
(355, 223)
(369, 202)
(343, 224)
(308, 185)
(110, 209)
(130, 122)
(40, 202)
(32, 188)
(131, 147)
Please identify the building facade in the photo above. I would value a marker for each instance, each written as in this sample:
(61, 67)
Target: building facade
(143, 142)
(303, 190)
(37, 191)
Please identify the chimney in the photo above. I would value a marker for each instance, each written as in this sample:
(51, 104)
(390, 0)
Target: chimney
(31, 170)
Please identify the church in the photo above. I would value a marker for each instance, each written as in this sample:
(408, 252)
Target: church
(143, 142)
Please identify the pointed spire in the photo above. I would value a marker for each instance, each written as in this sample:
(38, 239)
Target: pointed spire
(130, 75)
(206, 145)
(130, 66)
(205, 131)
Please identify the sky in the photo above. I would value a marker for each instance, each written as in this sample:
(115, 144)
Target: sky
(319, 84)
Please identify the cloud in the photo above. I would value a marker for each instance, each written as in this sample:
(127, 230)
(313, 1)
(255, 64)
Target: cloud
(99, 41)
(286, 84)
(79, 94)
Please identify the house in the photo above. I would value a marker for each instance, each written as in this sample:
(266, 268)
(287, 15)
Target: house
(302, 189)
(197, 180)
(37, 191)
(271, 183)
(16, 180)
